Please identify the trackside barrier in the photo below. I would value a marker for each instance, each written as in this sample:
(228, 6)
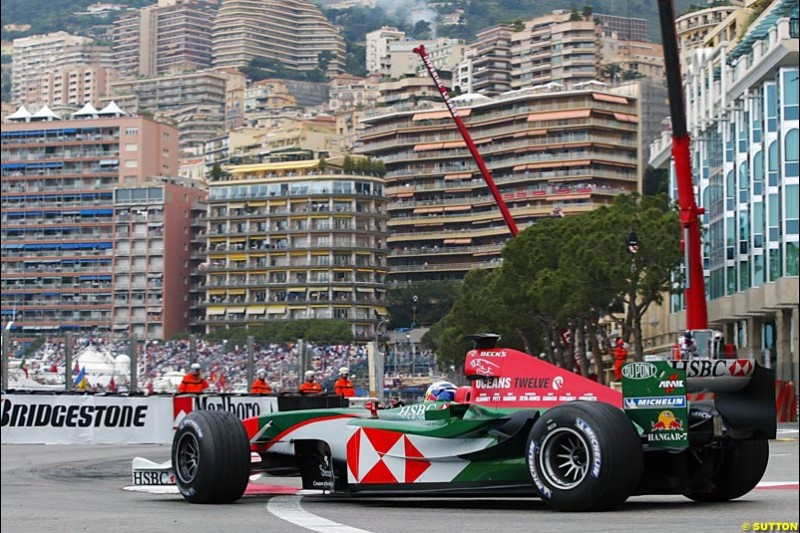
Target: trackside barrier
(66, 418)
(785, 401)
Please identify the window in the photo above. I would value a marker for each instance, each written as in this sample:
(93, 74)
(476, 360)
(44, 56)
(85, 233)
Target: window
(131, 131)
(792, 151)
(131, 163)
(792, 210)
(791, 95)
(131, 147)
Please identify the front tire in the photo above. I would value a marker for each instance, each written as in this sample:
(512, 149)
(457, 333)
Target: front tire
(740, 465)
(211, 457)
(584, 456)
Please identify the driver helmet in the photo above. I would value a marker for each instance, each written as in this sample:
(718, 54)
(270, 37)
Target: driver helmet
(344, 371)
(688, 334)
(195, 366)
(440, 391)
(309, 374)
(262, 372)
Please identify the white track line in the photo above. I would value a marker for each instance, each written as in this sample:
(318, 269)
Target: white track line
(288, 508)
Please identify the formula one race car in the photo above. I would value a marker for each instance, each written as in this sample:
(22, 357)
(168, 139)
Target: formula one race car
(524, 427)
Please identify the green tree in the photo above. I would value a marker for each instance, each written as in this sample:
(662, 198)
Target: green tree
(434, 301)
(587, 12)
(571, 273)
(656, 181)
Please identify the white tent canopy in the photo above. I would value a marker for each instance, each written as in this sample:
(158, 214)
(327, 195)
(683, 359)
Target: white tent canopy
(88, 110)
(45, 113)
(21, 114)
(112, 109)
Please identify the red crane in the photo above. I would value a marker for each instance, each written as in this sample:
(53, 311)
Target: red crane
(487, 176)
(695, 292)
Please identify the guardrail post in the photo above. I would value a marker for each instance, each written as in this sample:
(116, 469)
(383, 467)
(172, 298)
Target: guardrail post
(68, 361)
(134, 355)
(250, 358)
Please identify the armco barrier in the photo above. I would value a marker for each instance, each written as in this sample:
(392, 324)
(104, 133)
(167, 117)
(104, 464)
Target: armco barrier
(35, 418)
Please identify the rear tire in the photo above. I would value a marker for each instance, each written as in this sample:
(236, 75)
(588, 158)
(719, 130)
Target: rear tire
(211, 457)
(740, 466)
(584, 456)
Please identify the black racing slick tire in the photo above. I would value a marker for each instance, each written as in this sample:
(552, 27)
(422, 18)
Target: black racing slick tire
(584, 456)
(740, 465)
(211, 457)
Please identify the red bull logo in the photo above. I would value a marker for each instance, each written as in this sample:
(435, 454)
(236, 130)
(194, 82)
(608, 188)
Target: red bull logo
(667, 421)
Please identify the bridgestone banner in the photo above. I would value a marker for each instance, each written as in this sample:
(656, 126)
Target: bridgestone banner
(85, 419)
(66, 419)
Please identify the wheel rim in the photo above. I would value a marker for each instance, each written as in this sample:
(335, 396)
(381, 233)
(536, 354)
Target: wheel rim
(564, 459)
(187, 458)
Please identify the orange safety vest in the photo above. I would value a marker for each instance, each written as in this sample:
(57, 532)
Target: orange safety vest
(260, 387)
(310, 387)
(192, 384)
(343, 387)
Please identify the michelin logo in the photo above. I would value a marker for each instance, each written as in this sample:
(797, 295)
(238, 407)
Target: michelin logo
(655, 402)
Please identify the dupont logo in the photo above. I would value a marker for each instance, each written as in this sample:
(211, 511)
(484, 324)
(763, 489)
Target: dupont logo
(639, 370)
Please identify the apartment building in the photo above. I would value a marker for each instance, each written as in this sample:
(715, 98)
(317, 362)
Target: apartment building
(75, 85)
(347, 93)
(166, 38)
(377, 47)
(295, 240)
(693, 27)
(491, 62)
(743, 109)
(59, 225)
(151, 267)
(58, 68)
(551, 153)
(284, 134)
(293, 33)
(622, 28)
(554, 48)
(195, 102)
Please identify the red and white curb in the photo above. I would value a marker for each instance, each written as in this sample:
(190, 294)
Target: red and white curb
(778, 485)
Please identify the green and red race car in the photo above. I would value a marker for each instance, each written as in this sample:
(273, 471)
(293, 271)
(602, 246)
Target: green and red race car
(523, 427)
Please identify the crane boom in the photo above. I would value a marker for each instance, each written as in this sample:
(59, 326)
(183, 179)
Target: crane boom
(512, 226)
(696, 311)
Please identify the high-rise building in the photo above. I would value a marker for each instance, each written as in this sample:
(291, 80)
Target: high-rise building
(292, 34)
(743, 109)
(551, 153)
(58, 68)
(195, 101)
(152, 249)
(60, 227)
(491, 63)
(167, 38)
(295, 240)
(693, 27)
(555, 48)
(377, 49)
(622, 28)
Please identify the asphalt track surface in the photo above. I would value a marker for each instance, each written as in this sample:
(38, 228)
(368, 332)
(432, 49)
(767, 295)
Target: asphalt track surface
(68, 489)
